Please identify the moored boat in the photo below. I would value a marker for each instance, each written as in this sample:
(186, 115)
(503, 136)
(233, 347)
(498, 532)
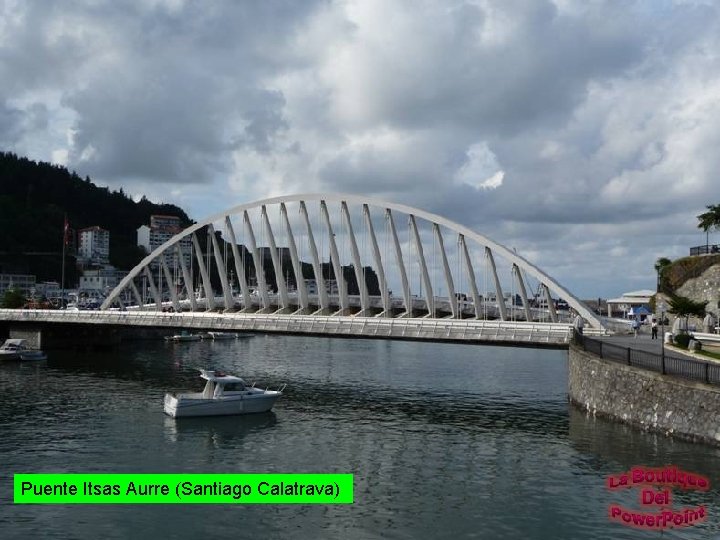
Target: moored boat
(222, 335)
(184, 336)
(17, 349)
(10, 350)
(223, 395)
(32, 355)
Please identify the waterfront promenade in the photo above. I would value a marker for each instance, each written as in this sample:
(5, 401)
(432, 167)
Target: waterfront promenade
(644, 343)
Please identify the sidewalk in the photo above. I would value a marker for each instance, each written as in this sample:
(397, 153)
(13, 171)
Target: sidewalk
(643, 343)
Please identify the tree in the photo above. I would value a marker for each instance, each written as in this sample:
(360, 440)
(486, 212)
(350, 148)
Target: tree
(709, 220)
(13, 299)
(660, 265)
(684, 307)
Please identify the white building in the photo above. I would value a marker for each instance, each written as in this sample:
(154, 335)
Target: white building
(331, 286)
(628, 301)
(94, 245)
(100, 279)
(160, 230)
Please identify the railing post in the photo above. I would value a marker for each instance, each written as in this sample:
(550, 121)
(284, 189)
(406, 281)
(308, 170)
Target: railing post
(707, 372)
(601, 353)
(628, 356)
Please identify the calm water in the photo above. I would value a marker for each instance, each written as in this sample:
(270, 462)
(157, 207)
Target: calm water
(444, 441)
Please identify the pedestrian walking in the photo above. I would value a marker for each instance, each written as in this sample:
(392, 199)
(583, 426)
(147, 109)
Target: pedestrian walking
(635, 326)
(653, 328)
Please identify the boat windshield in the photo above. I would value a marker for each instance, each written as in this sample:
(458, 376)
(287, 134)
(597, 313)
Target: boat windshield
(234, 387)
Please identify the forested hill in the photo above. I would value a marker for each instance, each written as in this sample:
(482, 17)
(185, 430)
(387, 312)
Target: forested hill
(34, 199)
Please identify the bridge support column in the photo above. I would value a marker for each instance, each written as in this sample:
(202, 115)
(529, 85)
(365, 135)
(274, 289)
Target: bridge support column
(209, 296)
(384, 293)
(498, 289)
(297, 266)
(429, 294)
(452, 297)
(407, 300)
(470, 275)
(277, 265)
(523, 292)
(239, 268)
(257, 262)
(336, 263)
(317, 267)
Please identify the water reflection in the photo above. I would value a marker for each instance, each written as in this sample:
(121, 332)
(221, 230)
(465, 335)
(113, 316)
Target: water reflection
(623, 445)
(217, 430)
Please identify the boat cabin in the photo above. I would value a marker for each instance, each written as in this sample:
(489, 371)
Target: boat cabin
(218, 383)
(13, 345)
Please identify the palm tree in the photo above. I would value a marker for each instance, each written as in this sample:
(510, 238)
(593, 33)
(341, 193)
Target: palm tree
(660, 265)
(684, 307)
(708, 221)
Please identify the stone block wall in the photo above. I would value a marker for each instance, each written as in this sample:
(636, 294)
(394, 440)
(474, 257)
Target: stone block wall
(643, 398)
(705, 287)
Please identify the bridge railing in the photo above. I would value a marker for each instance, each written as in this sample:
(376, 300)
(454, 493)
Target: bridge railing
(705, 250)
(667, 364)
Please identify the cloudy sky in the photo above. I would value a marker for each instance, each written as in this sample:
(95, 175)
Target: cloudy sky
(583, 134)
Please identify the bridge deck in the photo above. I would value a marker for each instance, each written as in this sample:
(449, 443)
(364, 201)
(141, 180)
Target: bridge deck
(465, 330)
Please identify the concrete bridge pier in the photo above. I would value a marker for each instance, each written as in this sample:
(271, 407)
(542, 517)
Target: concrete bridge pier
(64, 336)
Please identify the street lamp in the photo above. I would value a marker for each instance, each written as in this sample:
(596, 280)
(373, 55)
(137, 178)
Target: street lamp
(662, 307)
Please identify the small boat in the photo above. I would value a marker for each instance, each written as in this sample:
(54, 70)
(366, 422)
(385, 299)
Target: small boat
(223, 395)
(17, 349)
(10, 350)
(222, 335)
(184, 336)
(32, 355)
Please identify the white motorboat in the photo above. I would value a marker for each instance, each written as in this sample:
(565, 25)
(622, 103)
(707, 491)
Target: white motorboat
(10, 350)
(223, 395)
(17, 349)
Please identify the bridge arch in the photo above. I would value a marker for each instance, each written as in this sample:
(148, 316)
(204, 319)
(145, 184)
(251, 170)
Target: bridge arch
(386, 255)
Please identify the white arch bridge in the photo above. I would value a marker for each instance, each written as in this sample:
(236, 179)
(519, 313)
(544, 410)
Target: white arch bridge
(344, 264)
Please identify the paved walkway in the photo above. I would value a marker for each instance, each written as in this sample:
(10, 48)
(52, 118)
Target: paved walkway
(644, 343)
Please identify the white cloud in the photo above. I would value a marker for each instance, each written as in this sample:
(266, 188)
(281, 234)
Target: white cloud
(481, 170)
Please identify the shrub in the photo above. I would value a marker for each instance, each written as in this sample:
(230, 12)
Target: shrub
(682, 340)
(12, 299)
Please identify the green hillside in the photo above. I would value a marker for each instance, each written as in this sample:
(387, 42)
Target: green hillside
(677, 272)
(34, 199)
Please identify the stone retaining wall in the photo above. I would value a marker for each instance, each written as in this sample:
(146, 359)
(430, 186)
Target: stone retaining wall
(705, 287)
(643, 398)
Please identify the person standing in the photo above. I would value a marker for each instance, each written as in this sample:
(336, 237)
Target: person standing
(579, 323)
(653, 328)
(635, 326)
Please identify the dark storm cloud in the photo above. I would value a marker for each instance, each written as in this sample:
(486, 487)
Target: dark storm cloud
(507, 85)
(160, 90)
(571, 130)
